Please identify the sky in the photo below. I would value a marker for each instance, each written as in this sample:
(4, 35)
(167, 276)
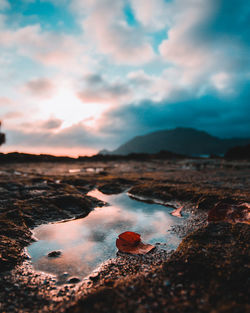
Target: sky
(77, 76)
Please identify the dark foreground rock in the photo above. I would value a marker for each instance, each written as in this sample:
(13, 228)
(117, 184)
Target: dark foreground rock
(31, 205)
(116, 186)
(239, 152)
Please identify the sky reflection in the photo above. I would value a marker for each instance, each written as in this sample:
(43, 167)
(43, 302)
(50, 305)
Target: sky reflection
(87, 242)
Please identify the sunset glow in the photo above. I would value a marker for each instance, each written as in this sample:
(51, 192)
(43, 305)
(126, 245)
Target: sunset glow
(66, 106)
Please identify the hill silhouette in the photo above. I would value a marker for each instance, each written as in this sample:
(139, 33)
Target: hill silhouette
(240, 152)
(180, 140)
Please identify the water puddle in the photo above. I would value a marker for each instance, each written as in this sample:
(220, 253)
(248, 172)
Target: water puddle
(85, 243)
(96, 170)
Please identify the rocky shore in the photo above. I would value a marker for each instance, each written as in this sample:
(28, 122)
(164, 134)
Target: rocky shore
(208, 272)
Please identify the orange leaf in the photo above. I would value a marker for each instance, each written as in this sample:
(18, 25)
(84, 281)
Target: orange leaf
(130, 237)
(130, 242)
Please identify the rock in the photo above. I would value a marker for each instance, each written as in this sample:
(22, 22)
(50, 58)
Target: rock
(232, 213)
(166, 283)
(95, 278)
(54, 254)
(111, 188)
(65, 274)
(116, 186)
(74, 280)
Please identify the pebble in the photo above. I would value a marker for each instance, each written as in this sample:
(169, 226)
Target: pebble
(74, 280)
(179, 286)
(54, 254)
(167, 283)
(65, 274)
(94, 278)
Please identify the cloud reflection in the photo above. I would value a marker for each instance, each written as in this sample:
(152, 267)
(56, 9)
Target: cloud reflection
(87, 242)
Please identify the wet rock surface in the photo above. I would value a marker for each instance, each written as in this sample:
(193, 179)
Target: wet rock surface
(36, 201)
(116, 186)
(208, 273)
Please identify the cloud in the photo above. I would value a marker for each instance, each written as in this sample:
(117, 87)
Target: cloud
(105, 26)
(145, 86)
(44, 135)
(4, 5)
(181, 47)
(52, 123)
(52, 49)
(44, 126)
(98, 89)
(152, 14)
(12, 115)
(4, 101)
(139, 78)
(221, 81)
(225, 117)
(208, 38)
(40, 87)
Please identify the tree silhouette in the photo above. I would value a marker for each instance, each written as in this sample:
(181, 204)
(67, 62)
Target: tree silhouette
(2, 136)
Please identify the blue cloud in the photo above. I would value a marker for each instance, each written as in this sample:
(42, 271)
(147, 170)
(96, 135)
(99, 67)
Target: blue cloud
(232, 18)
(222, 117)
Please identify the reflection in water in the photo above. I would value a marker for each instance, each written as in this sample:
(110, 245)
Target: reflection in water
(74, 170)
(86, 169)
(87, 242)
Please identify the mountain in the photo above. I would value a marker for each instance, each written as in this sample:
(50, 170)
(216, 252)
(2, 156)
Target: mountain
(105, 152)
(180, 140)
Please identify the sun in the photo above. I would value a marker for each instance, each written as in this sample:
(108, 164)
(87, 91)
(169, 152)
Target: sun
(66, 106)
